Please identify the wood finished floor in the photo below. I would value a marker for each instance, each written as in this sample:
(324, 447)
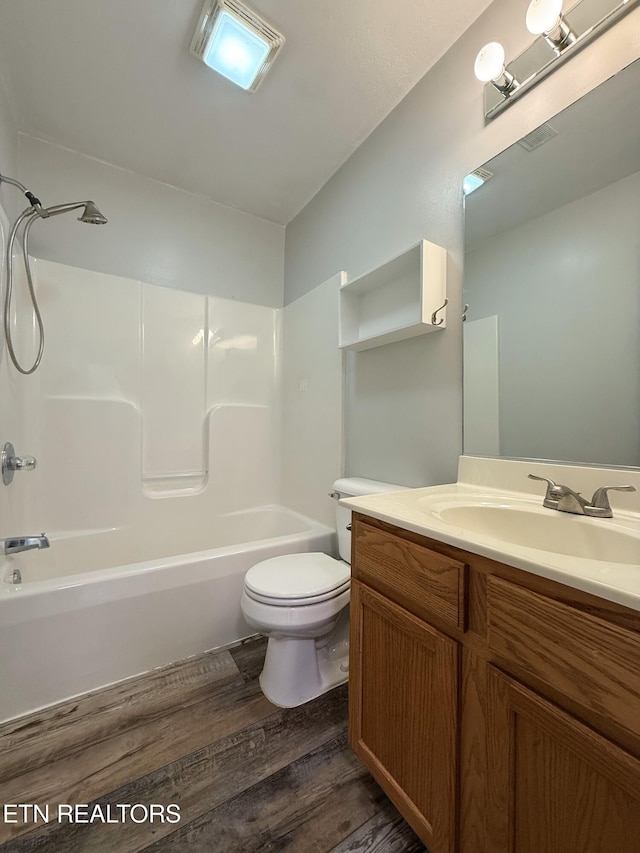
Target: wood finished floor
(247, 776)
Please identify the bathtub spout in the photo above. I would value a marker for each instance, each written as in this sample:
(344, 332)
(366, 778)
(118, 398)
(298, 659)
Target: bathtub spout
(16, 544)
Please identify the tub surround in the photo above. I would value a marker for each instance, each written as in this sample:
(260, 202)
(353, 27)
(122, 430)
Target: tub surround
(192, 398)
(184, 394)
(504, 483)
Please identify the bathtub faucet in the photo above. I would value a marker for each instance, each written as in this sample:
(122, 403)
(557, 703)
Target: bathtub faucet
(16, 544)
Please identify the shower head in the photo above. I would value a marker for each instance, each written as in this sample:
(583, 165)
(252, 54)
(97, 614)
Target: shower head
(92, 215)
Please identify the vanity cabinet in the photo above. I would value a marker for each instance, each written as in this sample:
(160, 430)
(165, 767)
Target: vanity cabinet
(403, 719)
(553, 783)
(405, 674)
(499, 711)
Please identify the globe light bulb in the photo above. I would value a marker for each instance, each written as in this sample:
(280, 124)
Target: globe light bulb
(543, 16)
(489, 64)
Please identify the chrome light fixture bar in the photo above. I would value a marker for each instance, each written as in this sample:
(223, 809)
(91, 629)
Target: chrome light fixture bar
(236, 42)
(560, 36)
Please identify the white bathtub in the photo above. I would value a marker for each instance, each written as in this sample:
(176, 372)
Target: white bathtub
(102, 606)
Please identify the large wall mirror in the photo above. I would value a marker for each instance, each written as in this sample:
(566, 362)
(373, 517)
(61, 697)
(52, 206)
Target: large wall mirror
(552, 281)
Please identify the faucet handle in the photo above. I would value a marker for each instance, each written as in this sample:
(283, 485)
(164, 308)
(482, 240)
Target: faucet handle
(10, 463)
(553, 494)
(23, 463)
(600, 506)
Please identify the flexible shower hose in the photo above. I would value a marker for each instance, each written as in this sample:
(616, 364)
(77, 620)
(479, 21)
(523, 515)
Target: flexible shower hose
(31, 215)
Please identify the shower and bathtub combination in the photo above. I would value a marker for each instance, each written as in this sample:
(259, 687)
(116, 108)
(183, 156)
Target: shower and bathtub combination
(155, 421)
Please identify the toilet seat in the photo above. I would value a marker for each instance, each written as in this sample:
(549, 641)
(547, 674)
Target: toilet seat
(297, 580)
(296, 602)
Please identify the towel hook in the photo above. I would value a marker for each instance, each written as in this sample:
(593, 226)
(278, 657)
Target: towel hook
(435, 322)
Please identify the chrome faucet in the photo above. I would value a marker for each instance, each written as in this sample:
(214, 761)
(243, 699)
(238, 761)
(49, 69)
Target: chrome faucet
(16, 544)
(564, 499)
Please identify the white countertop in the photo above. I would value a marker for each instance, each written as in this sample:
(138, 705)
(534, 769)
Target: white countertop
(423, 511)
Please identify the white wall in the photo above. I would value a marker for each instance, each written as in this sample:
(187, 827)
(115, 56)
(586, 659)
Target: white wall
(312, 395)
(404, 183)
(156, 233)
(569, 321)
(8, 144)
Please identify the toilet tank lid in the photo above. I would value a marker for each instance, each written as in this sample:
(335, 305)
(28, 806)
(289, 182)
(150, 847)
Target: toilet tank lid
(356, 486)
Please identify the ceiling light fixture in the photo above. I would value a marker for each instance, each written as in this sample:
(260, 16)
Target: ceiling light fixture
(232, 40)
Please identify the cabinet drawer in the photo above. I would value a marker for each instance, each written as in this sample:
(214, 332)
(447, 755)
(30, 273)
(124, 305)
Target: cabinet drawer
(592, 662)
(422, 581)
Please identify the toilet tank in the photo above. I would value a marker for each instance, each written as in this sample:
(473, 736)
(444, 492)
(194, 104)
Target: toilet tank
(351, 487)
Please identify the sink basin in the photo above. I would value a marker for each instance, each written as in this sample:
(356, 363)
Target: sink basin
(492, 512)
(542, 529)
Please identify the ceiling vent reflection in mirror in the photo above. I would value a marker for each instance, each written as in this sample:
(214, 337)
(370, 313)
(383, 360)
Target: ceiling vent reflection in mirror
(537, 137)
(559, 36)
(236, 42)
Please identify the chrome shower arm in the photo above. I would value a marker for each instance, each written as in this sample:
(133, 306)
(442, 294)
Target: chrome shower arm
(14, 183)
(55, 209)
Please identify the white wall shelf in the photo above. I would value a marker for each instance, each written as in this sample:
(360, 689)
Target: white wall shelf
(396, 300)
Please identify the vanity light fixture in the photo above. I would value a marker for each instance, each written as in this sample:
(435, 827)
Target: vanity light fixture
(489, 68)
(236, 42)
(558, 38)
(544, 18)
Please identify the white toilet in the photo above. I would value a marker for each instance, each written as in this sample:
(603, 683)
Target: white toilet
(301, 603)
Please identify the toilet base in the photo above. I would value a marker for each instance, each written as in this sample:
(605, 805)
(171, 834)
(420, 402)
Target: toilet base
(297, 670)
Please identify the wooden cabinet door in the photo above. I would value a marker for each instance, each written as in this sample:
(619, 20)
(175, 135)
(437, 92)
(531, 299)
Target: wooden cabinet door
(404, 712)
(554, 784)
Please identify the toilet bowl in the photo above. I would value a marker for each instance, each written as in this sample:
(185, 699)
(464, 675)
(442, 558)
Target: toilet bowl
(301, 603)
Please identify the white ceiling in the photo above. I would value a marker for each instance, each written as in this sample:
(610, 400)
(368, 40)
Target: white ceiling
(114, 79)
